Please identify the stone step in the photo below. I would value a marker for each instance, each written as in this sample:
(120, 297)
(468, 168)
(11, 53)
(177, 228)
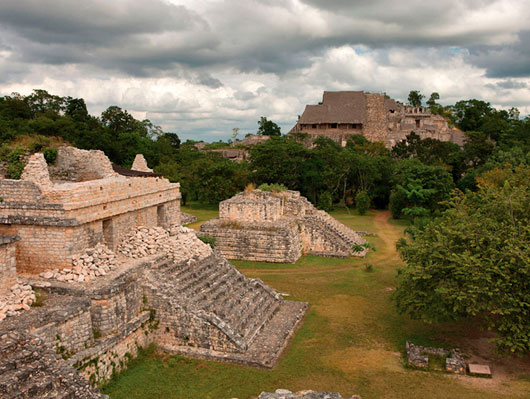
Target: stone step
(195, 288)
(266, 314)
(202, 294)
(254, 314)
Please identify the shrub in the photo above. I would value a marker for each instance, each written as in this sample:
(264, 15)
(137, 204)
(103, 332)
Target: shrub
(40, 297)
(249, 188)
(362, 202)
(50, 154)
(207, 240)
(397, 204)
(273, 188)
(15, 164)
(325, 201)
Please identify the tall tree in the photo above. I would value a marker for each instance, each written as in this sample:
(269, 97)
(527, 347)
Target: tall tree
(415, 98)
(474, 261)
(268, 128)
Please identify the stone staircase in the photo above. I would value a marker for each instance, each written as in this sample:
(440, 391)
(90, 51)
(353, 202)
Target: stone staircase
(29, 369)
(347, 234)
(342, 236)
(215, 291)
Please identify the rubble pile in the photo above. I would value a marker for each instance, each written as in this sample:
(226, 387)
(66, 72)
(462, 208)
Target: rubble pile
(285, 394)
(94, 262)
(19, 298)
(179, 243)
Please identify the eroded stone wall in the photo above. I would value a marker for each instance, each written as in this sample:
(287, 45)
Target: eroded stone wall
(75, 165)
(8, 263)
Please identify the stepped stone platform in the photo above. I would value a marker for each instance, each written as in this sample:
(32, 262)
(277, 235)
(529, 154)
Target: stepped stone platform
(279, 227)
(94, 264)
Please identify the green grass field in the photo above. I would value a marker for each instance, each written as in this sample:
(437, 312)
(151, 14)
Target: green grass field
(351, 340)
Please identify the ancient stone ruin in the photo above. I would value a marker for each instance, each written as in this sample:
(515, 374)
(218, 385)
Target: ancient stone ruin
(279, 227)
(418, 356)
(95, 263)
(377, 117)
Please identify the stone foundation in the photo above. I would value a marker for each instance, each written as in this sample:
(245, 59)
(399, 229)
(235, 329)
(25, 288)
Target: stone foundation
(256, 241)
(418, 356)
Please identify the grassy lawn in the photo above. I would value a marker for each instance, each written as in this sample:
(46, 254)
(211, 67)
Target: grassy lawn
(350, 342)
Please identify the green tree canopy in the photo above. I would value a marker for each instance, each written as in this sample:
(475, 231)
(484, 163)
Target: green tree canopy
(415, 98)
(268, 128)
(474, 260)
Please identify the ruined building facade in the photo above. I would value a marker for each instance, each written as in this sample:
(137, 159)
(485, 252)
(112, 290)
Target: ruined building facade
(103, 248)
(278, 227)
(377, 117)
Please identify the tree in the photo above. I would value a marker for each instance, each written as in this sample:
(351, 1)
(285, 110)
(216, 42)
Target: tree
(415, 98)
(431, 102)
(425, 187)
(279, 160)
(268, 128)
(474, 261)
(362, 202)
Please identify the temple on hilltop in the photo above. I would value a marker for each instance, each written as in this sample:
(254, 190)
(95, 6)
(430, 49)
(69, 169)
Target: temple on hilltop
(377, 117)
(94, 263)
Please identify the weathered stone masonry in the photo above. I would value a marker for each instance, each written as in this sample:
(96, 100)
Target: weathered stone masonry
(185, 297)
(278, 227)
(60, 220)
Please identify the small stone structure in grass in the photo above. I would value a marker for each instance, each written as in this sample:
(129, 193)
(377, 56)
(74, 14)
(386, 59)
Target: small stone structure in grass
(278, 227)
(307, 394)
(421, 357)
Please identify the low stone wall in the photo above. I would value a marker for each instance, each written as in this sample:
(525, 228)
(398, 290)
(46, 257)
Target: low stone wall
(242, 207)
(418, 356)
(256, 241)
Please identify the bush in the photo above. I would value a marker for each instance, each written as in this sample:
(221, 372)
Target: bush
(397, 203)
(325, 201)
(273, 188)
(362, 202)
(50, 154)
(15, 163)
(207, 240)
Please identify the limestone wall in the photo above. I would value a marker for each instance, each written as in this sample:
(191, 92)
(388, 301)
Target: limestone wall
(249, 208)
(257, 241)
(8, 263)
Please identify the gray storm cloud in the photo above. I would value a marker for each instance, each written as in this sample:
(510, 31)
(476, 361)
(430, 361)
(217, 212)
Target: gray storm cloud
(238, 60)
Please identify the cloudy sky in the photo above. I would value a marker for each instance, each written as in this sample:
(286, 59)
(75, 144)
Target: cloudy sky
(202, 67)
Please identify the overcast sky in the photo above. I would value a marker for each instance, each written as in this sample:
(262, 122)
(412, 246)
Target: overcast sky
(201, 67)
